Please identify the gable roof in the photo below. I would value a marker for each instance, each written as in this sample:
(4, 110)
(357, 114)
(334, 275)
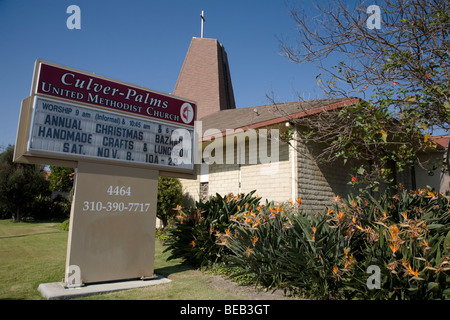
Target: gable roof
(261, 116)
(441, 141)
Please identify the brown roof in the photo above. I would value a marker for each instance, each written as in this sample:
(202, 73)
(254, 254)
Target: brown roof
(441, 141)
(261, 116)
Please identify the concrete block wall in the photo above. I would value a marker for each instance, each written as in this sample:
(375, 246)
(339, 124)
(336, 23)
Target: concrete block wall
(296, 174)
(223, 179)
(191, 189)
(318, 183)
(272, 181)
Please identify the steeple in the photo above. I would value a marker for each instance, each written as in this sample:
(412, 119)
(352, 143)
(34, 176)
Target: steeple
(205, 77)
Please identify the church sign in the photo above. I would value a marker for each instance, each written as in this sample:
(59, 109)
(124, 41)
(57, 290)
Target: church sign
(76, 115)
(121, 138)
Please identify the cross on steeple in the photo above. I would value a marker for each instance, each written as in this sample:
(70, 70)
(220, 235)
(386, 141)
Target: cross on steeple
(203, 20)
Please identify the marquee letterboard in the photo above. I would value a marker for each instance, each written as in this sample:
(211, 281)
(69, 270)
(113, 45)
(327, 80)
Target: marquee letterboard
(83, 132)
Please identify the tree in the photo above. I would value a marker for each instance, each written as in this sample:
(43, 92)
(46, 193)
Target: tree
(20, 185)
(61, 178)
(401, 70)
(170, 195)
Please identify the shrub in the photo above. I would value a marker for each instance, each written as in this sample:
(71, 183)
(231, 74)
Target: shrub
(170, 195)
(65, 225)
(44, 208)
(327, 255)
(284, 247)
(405, 236)
(194, 233)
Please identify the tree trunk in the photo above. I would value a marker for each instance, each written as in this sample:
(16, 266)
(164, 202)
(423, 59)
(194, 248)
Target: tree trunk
(16, 217)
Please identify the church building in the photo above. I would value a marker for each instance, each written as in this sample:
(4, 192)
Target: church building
(241, 147)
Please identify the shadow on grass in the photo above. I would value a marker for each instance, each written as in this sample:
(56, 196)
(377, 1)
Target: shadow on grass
(173, 269)
(27, 235)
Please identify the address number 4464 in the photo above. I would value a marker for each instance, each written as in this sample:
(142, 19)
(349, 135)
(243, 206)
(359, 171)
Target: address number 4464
(119, 191)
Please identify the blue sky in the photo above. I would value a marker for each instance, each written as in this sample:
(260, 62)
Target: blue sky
(144, 42)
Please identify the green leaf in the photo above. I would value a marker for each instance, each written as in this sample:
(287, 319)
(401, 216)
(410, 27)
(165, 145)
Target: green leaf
(435, 226)
(432, 286)
(446, 292)
(447, 242)
(361, 170)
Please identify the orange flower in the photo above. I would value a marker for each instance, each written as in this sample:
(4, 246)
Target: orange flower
(412, 272)
(395, 239)
(192, 243)
(395, 245)
(335, 270)
(314, 229)
(404, 215)
(329, 211)
(348, 259)
(299, 200)
(394, 231)
(353, 178)
(337, 198)
(255, 240)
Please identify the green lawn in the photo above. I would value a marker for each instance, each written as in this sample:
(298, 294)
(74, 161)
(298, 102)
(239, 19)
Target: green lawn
(35, 253)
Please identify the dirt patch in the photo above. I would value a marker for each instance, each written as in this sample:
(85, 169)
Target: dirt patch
(247, 292)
